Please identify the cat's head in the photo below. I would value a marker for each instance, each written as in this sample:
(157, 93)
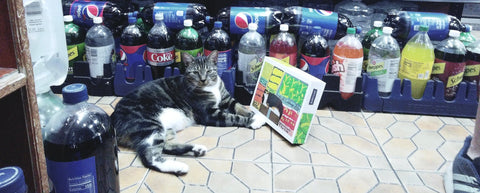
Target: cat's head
(202, 70)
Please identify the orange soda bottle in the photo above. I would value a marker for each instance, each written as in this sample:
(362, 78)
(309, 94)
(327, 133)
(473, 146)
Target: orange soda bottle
(347, 62)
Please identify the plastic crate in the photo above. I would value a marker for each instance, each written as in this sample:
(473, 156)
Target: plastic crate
(122, 87)
(332, 98)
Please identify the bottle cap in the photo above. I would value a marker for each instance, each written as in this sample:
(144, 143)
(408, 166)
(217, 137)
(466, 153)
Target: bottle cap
(187, 23)
(350, 30)
(68, 18)
(377, 24)
(423, 28)
(97, 20)
(252, 26)
(217, 24)
(358, 29)
(74, 93)
(387, 30)
(159, 16)
(12, 179)
(207, 19)
(132, 20)
(468, 28)
(283, 27)
(454, 33)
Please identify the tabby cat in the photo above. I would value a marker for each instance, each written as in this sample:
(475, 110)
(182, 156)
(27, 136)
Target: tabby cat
(144, 117)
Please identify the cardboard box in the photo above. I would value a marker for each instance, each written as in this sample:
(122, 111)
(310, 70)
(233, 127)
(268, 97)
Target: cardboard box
(288, 97)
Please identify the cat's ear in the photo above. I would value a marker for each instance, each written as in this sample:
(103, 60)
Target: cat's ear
(213, 56)
(187, 59)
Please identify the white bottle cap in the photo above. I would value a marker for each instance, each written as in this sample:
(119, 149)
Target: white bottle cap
(97, 20)
(283, 27)
(387, 30)
(454, 33)
(187, 23)
(377, 24)
(158, 16)
(68, 18)
(252, 26)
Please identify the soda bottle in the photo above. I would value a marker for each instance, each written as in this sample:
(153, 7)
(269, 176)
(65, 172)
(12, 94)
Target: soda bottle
(466, 37)
(369, 37)
(83, 12)
(449, 65)
(80, 146)
(315, 54)
(160, 47)
(99, 48)
(417, 61)
(284, 46)
(235, 20)
(405, 24)
(75, 37)
(48, 104)
(219, 40)
(302, 20)
(384, 61)
(359, 13)
(251, 52)
(472, 67)
(187, 40)
(132, 48)
(347, 59)
(12, 179)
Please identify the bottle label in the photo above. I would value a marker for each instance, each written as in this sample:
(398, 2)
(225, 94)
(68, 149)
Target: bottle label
(385, 70)
(316, 66)
(438, 68)
(240, 17)
(224, 61)
(287, 58)
(161, 57)
(85, 11)
(328, 20)
(97, 57)
(250, 65)
(412, 69)
(472, 68)
(173, 13)
(132, 57)
(75, 176)
(451, 73)
(195, 53)
(75, 52)
(348, 69)
(438, 24)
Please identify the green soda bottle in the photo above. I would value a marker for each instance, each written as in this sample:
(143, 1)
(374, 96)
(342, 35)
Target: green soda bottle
(466, 37)
(369, 37)
(75, 42)
(188, 40)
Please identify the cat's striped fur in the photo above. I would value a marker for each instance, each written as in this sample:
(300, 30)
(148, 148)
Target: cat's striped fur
(144, 117)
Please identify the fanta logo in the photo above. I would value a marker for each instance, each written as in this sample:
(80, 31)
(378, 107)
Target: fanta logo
(90, 11)
(323, 12)
(242, 20)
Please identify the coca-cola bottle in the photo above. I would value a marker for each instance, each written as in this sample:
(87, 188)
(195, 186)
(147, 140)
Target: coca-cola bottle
(160, 47)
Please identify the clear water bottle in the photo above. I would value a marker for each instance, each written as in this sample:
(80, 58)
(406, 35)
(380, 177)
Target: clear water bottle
(12, 180)
(80, 146)
(48, 104)
(359, 13)
(368, 39)
(384, 61)
(251, 52)
(99, 47)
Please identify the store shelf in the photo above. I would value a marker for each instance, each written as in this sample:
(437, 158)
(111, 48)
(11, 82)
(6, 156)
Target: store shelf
(15, 82)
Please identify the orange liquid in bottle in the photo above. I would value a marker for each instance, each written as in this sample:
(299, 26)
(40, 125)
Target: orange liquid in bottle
(347, 61)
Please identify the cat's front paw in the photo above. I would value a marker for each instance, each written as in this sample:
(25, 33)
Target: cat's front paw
(257, 121)
(171, 166)
(199, 150)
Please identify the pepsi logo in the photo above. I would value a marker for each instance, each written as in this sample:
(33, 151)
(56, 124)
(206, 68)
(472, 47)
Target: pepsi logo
(303, 65)
(323, 12)
(123, 56)
(242, 20)
(90, 11)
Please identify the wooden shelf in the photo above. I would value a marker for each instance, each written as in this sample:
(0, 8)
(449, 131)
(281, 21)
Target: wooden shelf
(14, 83)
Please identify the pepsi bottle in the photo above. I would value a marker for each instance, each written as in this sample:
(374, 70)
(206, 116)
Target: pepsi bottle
(220, 41)
(235, 20)
(160, 47)
(302, 20)
(315, 54)
(405, 24)
(83, 13)
(132, 48)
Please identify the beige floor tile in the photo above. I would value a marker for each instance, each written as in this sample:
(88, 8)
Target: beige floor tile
(252, 150)
(143, 189)
(406, 117)
(409, 178)
(208, 142)
(390, 188)
(380, 120)
(387, 176)
(162, 182)
(125, 160)
(365, 133)
(314, 145)
(293, 177)
(324, 113)
(131, 189)
(381, 135)
(222, 182)
(428, 140)
(350, 118)
(396, 148)
(115, 102)
(325, 159)
(255, 176)
(189, 134)
(466, 121)
(106, 100)
(433, 180)
(329, 172)
(317, 185)
(449, 120)
(218, 131)
(220, 153)
(449, 150)
(379, 162)
(196, 189)
(264, 133)
(419, 189)
(107, 108)
(325, 134)
(236, 138)
(348, 155)
(400, 164)
(357, 180)
(197, 174)
(454, 133)
(337, 126)
(361, 145)
(431, 123)
(429, 160)
(290, 153)
(131, 176)
(403, 129)
(220, 166)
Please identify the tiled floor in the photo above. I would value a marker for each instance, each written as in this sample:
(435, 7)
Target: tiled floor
(347, 152)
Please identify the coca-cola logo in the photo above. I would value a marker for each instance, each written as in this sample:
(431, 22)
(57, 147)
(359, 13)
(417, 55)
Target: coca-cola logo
(161, 57)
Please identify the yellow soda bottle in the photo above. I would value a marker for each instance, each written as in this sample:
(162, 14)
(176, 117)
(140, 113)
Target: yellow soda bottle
(417, 61)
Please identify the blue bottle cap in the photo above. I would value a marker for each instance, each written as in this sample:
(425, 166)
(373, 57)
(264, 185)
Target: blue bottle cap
(12, 180)
(207, 19)
(132, 20)
(74, 93)
(217, 24)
